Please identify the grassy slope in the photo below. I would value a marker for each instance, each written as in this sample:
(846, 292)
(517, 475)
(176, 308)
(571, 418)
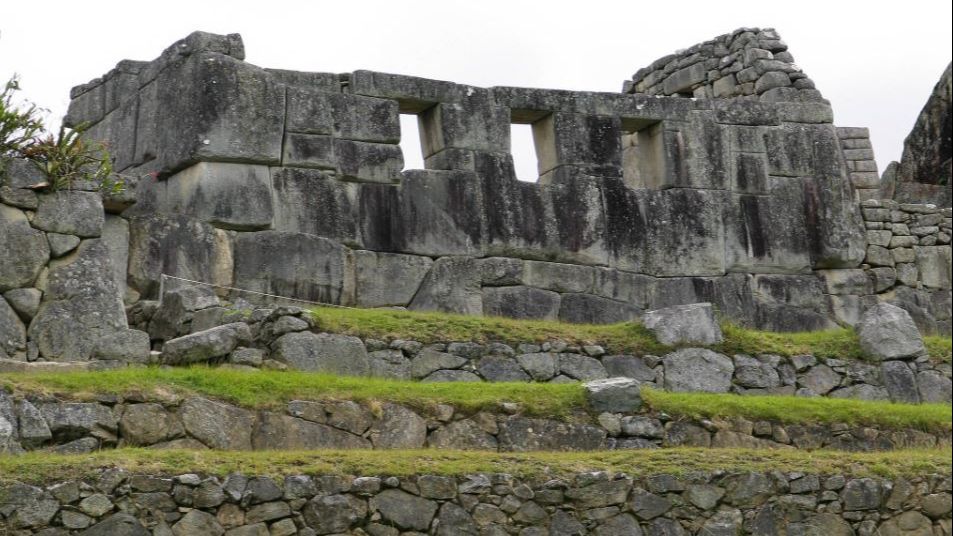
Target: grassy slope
(40, 467)
(625, 337)
(273, 389)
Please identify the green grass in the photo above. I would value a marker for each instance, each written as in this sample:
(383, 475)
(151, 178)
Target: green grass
(41, 467)
(273, 389)
(627, 337)
(932, 417)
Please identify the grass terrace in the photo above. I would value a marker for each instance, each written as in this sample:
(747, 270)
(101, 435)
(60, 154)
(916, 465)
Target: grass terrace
(268, 389)
(40, 467)
(626, 337)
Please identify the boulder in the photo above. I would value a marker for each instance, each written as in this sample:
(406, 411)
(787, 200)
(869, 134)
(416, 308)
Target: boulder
(128, 345)
(934, 387)
(82, 302)
(330, 514)
(205, 345)
(464, 434)
(283, 432)
(119, 524)
(147, 424)
(888, 332)
(697, 369)
(684, 324)
(12, 330)
(25, 301)
(197, 522)
(323, 352)
(399, 428)
(407, 511)
(900, 381)
(31, 247)
(74, 420)
(217, 425)
(614, 395)
(71, 212)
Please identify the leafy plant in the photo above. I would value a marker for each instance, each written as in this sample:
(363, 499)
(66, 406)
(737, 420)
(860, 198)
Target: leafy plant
(67, 159)
(19, 125)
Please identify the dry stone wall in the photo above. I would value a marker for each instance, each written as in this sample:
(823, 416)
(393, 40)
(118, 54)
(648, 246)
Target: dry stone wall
(117, 503)
(64, 426)
(749, 62)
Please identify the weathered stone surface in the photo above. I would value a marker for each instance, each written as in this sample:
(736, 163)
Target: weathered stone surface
(178, 246)
(927, 150)
(697, 369)
(934, 387)
(496, 368)
(888, 332)
(74, 420)
(452, 286)
(293, 264)
(119, 524)
(384, 279)
(12, 330)
(862, 494)
(581, 367)
(71, 212)
(900, 381)
(684, 324)
(128, 345)
(217, 425)
(282, 432)
(521, 302)
(61, 244)
(33, 250)
(429, 361)
(404, 510)
(523, 434)
(464, 434)
(399, 427)
(323, 352)
(197, 522)
(333, 513)
(227, 196)
(25, 301)
(542, 366)
(147, 424)
(615, 395)
(205, 345)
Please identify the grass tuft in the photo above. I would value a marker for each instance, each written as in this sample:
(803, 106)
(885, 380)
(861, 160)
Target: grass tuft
(267, 389)
(43, 467)
(626, 337)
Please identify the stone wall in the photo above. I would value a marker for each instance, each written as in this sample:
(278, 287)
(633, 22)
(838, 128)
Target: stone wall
(117, 503)
(748, 62)
(203, 330)
(861, 165)
(66, 426)
(641, 201)
(291, 184)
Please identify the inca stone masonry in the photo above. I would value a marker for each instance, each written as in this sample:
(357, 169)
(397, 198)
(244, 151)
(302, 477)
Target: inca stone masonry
(717, 175)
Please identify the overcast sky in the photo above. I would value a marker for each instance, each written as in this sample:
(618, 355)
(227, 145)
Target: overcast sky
(876, 61)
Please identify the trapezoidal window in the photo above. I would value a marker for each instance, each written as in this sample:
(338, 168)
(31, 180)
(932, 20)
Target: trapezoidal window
(410, 142)
(523, 149)
(643, 156)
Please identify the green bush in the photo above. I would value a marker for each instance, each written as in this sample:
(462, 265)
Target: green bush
(65, 158)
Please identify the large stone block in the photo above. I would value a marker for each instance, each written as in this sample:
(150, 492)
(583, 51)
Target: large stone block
(309, 110)
(888, 332)
(117, 132)
(521, 302)
(476, 122)
(294, 265)
(576, 139)
(82, 303)
(684, 324)
(697, 369)
(452, 286)
(323, 352)
(32, 251)
(414, 94)
(767, 233)
(314, 202)
(685, 234)
(591, 309)
(354, 117)
(70, 212)
(308, 151)
(934, 264)
(206, 345)
(368, 162)
(387, 279)
(432, 213)
(177, 246)
(213, 107)
(790, 303)
(228, 196)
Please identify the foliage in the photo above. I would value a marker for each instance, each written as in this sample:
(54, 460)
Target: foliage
(19, 125)
(626, 337)
(65, 158)
(44, 467)
(274, 389)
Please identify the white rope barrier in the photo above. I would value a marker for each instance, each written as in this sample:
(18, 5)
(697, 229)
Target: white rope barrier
(322, 304)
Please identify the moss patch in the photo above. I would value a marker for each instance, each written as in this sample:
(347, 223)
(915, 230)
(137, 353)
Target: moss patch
(43, 467)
